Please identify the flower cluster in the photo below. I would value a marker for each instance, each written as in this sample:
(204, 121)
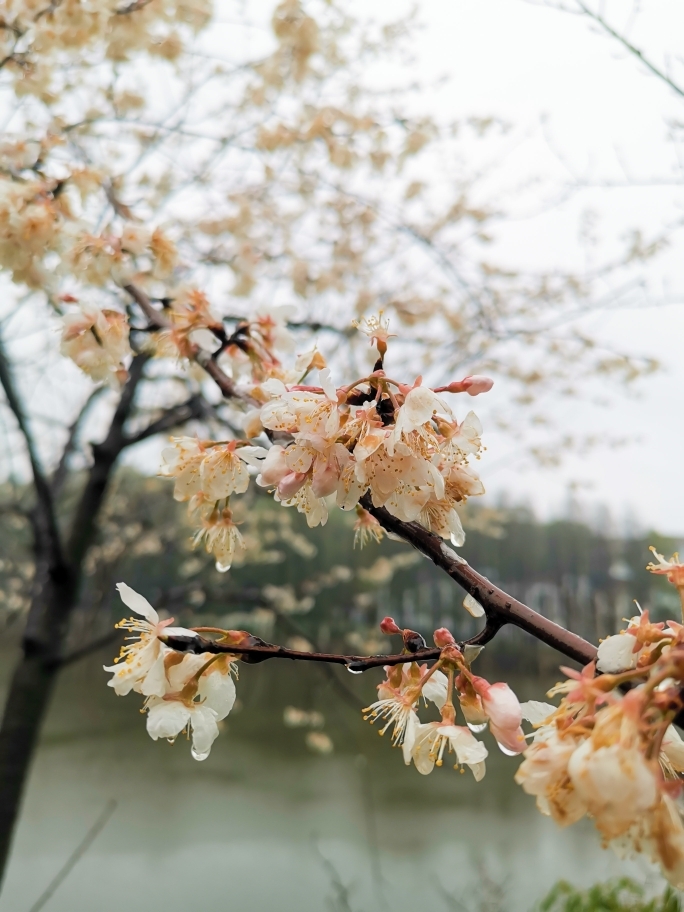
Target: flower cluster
(482, 705)
(183, 693)
(97, 341)
(399, 443)
(206, 474)
(613, 754)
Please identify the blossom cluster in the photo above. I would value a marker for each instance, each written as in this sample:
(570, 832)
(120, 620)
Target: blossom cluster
(400, 443)
(482, 705)
(183, 693)
(610, 751)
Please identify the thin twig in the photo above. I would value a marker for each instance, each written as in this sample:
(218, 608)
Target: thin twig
(598, 18)
(76, 855)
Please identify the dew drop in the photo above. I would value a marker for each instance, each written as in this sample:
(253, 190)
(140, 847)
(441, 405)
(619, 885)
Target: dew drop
(353, 668)
(197, 755)
(505, 750)
(171, 740)
(477, 728)
(222, 568)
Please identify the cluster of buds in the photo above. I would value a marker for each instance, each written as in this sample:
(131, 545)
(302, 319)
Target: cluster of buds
(610, 751)
(482, 705)
(188, 693)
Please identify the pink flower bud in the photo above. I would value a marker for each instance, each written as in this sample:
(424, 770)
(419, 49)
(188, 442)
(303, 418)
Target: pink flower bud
(290, 484)
(443, 637)
(475, 385)
(388, 625)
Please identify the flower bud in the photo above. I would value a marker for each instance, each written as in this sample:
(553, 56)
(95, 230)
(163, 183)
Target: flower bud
(388, 626)
(476, 384)
(443, 637)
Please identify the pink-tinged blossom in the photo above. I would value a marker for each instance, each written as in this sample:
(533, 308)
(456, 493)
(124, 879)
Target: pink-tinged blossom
(504, 713)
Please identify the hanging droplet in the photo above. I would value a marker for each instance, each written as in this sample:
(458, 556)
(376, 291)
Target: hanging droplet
(505, 750)
(222, 568)
(353, 668)
(197, 755)
(172, 740)
(477, 728)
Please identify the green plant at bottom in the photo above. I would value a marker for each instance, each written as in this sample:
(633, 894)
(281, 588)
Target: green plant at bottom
(623, 895)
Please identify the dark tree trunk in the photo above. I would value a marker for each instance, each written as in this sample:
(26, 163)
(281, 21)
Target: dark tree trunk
(27, 702)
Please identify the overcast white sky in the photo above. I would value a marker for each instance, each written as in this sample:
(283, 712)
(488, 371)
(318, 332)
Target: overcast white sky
(528, 64)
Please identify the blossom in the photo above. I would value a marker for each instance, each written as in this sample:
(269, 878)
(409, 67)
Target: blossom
(673, 569)
(377, 330)
(399, 695)
(183, 461)
(504, 713)
(433, 738)
(140, 665)
(221, 537)
(199, 706)
(615, 782)
(617, 653)
(544, 774)
(97, 341)
(223, 471)
(420, 404)
(366, 528)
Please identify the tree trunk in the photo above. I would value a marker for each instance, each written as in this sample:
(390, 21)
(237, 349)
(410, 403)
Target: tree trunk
(27, 701)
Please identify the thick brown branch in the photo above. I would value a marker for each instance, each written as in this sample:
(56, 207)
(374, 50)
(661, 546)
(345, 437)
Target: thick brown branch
(500, 608)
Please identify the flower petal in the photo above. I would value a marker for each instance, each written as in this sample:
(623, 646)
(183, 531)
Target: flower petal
(137, 603)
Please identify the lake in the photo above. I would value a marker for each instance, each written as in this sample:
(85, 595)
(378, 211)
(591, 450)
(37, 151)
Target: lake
(264, 823)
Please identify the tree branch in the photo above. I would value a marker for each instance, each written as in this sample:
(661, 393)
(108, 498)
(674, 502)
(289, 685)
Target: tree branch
(195, 407)
(50, 540)
(262, 651)
(105, 455)
(204, 359)
(60, 473)
(500, 608)
(598, 18)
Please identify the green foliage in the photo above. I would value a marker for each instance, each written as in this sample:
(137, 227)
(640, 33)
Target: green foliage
(623, 895)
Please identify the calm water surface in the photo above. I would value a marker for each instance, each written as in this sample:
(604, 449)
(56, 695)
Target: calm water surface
(265, 824)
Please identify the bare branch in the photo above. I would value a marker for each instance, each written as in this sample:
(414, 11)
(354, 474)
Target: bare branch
(60, 473)
(598, 18)
(50, 539)
(195, 407)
